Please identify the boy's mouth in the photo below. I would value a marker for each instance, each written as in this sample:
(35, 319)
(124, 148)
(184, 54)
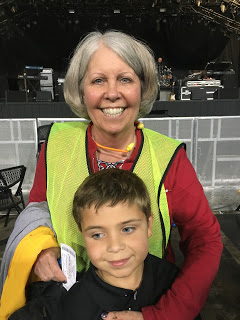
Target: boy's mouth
(119, 263)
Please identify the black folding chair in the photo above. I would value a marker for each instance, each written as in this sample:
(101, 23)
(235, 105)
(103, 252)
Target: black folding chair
(42, 135)
(10, 199)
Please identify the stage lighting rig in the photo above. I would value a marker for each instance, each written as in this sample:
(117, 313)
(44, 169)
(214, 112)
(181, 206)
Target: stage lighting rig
(209, 14)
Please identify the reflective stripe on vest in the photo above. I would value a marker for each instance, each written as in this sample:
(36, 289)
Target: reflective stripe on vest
(67, 168)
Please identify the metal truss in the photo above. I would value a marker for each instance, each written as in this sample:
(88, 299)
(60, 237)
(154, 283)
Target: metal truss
(235, 3)
(14, 13)
(213, 16)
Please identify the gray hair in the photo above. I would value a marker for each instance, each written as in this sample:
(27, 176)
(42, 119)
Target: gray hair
(134, 52)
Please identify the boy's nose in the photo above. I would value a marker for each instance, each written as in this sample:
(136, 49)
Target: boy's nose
(115, 244)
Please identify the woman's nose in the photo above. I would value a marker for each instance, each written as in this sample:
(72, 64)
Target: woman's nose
(112, 92)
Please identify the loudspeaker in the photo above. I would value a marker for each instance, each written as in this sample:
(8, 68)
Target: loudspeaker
(198, 93)
(60, 93)
(47, 73)
(228, 93)
(45, 96)
(15, 96)
(204, 93)
(3, 87)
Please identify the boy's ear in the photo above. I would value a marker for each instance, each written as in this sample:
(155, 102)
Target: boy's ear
(150, 221)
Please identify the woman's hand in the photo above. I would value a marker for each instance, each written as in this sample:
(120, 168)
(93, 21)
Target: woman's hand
(46, 266)
(123, 315)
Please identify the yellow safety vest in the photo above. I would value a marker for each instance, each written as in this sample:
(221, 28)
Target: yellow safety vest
(68, 165)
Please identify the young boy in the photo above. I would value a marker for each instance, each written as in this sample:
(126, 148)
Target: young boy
(112, 210)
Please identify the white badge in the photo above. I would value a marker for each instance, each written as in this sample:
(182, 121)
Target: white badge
(68, 260)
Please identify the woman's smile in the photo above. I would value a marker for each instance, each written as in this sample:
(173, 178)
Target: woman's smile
(113, 112)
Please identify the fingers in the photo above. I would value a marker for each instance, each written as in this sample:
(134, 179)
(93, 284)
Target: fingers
(46, 266)
(122, 315)
(109, 315)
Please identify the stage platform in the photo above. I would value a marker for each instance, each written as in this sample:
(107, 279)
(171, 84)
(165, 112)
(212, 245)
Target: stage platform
(178, 108)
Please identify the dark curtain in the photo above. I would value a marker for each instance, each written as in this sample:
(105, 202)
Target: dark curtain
(232, 53)
(183, 42)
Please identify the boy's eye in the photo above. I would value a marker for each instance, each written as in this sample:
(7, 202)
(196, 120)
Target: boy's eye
(97, 236)
(128, 229)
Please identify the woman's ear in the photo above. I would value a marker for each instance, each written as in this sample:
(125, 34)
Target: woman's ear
(150, 221)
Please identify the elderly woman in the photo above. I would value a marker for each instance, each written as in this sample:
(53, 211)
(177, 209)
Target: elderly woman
(112, 81)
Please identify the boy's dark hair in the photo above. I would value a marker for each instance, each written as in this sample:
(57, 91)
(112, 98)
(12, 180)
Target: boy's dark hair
(110, 187)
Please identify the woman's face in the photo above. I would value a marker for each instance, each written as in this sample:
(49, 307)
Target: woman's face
(112, 93)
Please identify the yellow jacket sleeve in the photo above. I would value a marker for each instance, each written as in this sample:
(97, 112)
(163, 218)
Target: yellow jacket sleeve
(13, 294)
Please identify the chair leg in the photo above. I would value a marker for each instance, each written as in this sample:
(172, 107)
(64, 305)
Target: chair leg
(7, 217)
(19, 210)
(4, 241)
(23, 203)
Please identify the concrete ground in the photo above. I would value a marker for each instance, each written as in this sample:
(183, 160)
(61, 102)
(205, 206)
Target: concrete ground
(223, 302)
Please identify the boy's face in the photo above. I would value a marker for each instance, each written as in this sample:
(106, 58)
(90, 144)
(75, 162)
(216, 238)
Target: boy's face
(116, 239)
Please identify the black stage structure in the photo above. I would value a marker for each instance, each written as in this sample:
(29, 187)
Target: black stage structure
(178, 108)
(198, 42)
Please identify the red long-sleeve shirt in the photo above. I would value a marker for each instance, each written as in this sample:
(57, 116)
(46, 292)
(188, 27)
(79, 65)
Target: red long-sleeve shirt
(198, 227)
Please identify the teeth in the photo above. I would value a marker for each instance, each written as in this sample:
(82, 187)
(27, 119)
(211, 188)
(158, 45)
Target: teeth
(113, 112)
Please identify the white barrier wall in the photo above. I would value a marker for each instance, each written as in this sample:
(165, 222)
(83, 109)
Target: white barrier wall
(213, 145)
(18, 140)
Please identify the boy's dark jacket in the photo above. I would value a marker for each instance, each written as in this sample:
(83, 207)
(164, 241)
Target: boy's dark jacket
(91, 296)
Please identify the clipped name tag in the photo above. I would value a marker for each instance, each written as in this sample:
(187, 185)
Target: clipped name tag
(69, 268)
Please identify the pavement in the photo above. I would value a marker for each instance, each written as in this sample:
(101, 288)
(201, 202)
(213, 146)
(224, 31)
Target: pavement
(223, 302)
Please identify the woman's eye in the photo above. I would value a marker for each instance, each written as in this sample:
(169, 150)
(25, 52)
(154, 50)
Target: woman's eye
(126, 80)
(97, 236)
(128, 229)
(97, 81)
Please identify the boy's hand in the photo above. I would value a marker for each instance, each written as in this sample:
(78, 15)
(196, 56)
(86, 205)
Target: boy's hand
(122, 315)
(46, 266)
